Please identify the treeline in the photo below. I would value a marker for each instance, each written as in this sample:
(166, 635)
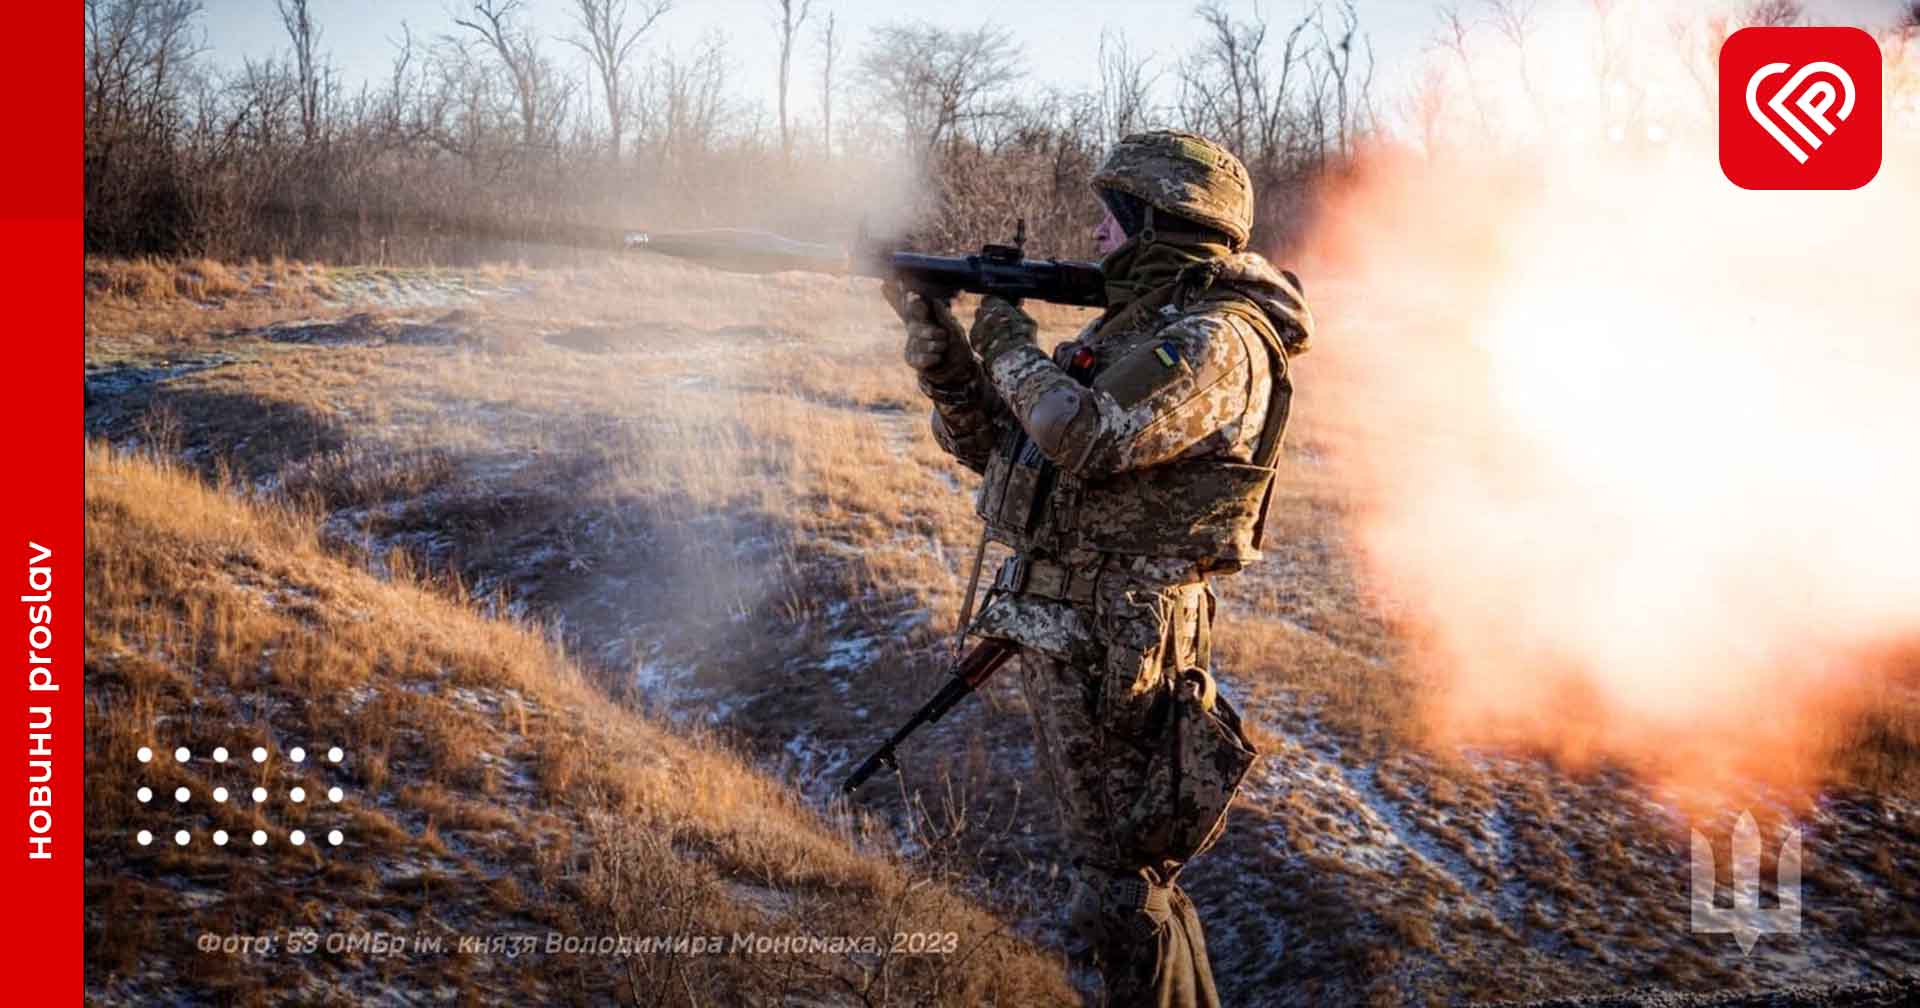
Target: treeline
(487, 137)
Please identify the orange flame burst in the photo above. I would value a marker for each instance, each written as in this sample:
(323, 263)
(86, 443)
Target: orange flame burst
(1639, 451)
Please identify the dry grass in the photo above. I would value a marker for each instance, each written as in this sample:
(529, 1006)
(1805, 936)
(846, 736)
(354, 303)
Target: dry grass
(171, 303)
(146, 308)
(716, 482)
(214, 620)
(660, 394)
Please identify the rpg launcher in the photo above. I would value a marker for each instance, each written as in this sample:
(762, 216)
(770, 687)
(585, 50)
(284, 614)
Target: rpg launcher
(1002, 270)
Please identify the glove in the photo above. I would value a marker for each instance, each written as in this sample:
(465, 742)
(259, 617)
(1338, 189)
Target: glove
(936, 346)
(998, 326)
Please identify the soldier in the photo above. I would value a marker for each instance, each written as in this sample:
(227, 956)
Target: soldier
(1125, 470)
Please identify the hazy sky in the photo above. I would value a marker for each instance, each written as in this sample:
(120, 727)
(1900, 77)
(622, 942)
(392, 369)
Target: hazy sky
(1060, 38)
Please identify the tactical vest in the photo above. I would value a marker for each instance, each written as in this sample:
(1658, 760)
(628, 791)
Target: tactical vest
(1207, 510)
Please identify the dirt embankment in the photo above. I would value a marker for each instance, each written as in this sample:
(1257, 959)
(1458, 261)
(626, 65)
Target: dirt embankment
(484, 799)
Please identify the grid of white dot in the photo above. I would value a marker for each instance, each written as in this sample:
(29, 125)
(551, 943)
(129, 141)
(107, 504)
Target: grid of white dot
(182, 754)
(297, 754)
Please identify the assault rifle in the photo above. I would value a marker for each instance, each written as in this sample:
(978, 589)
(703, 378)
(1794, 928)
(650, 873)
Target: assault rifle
(987, 656)
(1002, 270)
(972, 671)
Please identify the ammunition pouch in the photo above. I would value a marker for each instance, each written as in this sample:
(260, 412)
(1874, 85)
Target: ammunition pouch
(1189, 752)
(1206, 511)
(1012, 494)
(1200, 756)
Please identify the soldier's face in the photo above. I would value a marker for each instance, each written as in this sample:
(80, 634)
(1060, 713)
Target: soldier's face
(1108, 235)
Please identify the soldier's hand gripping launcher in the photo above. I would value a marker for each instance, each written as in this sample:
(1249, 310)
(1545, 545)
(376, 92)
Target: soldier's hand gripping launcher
(1002, 270)
(973, 670)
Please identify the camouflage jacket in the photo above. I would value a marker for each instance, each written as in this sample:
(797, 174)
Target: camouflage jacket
(1168, 451)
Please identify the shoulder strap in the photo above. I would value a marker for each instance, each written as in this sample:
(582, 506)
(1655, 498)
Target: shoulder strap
(1280, 397)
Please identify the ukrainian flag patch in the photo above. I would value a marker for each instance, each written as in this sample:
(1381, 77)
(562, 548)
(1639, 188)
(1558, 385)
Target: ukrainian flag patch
(1168, 353)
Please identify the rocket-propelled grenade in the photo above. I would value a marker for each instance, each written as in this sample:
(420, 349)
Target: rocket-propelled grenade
(741, 251)
(1002, 270)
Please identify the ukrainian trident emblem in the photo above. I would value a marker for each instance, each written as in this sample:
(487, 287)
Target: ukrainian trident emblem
(1745, 920)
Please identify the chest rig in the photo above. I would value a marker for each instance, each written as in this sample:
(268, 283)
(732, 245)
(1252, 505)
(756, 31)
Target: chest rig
(1206, 510)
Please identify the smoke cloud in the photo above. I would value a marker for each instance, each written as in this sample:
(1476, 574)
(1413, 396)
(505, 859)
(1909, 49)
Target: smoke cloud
(1636, 452)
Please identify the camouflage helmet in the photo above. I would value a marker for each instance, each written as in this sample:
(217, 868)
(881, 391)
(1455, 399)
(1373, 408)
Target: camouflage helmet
(1183, 174)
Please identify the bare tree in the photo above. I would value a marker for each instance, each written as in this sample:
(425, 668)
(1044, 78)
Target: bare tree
(308, 73)
(1031, 164)
(1454, 34)
(689, 105)
(1515, 21)
(1125, 87)
(829, 54)
(934, 82)
(1289, 104)
(608, 32)
(138, 53)
(789, 24)
(1350, 96)
(1426, 109)
(1229, 90)
(540, 92)
(1774, 13)
(140, 57)
(264, 96)
(406, 112)
(470, 127)
(473, 135)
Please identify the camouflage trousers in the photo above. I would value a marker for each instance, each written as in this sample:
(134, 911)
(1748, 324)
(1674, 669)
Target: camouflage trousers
(1141, 771)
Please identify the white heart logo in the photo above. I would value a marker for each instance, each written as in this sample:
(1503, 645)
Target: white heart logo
(1814, 101)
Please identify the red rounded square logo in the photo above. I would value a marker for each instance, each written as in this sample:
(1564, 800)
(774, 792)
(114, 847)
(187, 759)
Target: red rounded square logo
(1800, 108)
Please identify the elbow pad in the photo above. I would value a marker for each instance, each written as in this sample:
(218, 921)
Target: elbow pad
(1056, 425)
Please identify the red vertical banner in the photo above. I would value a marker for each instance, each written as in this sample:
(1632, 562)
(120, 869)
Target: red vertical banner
(41, 210)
